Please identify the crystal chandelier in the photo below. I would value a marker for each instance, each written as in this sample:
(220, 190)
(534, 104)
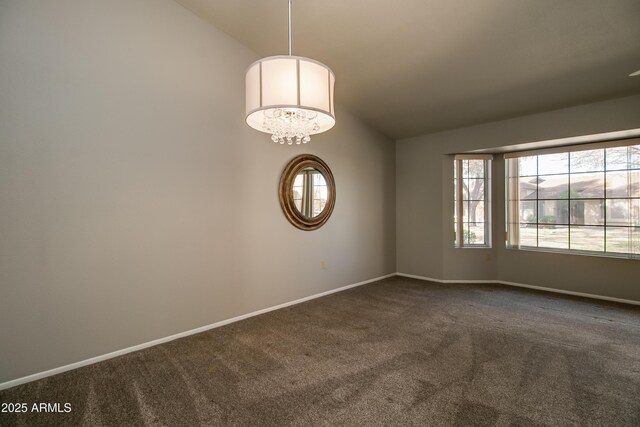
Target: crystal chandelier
(290, 97)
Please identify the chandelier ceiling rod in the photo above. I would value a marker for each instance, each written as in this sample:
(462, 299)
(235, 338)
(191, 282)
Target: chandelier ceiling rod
(289, 27)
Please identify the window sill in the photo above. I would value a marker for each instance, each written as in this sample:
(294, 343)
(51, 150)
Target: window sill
(579, 253)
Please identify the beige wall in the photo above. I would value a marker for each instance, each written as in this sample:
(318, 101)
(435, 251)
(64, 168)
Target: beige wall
(424, 186)
(134, 201)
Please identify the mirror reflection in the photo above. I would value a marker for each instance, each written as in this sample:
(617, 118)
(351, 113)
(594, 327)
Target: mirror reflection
(310, 192)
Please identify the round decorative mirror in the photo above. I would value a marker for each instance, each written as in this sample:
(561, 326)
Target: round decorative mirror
(307, 192)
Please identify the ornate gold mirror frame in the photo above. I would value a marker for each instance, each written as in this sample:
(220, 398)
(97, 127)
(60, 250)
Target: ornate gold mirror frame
(293, 168)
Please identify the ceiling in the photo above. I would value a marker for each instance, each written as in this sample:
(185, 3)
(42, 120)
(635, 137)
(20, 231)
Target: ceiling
(410, 67)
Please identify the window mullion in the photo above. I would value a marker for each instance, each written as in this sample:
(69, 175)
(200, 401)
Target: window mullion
(459, 226)
(487, 202)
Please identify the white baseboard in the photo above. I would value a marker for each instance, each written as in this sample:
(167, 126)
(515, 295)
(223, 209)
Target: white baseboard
(578, 294)
(142, 346)
(431, 279)
(522, 285)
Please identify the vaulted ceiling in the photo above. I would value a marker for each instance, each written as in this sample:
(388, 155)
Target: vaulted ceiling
(409, 67)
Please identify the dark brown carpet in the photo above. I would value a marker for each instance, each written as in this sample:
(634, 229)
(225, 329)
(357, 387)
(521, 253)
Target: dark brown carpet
(396, 352)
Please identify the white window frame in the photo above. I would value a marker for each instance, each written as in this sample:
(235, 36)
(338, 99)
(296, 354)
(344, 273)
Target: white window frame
(459, 191)
(512, 200)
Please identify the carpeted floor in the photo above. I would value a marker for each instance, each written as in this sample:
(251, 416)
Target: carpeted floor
(396, 352)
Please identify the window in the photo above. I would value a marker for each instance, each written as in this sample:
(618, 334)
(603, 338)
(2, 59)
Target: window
(583, 199)
(472, 184)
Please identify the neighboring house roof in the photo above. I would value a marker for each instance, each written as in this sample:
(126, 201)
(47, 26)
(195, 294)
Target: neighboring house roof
(557, 188)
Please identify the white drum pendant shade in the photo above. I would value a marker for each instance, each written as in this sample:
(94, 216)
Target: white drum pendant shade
(290, 97)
